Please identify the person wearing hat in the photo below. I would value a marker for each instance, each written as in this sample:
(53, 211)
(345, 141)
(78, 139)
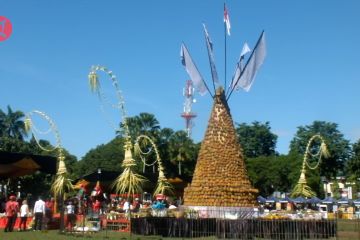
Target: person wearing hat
(11, 208)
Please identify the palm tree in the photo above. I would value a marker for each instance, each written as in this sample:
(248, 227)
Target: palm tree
(143, 124)
(165, 135)
(182, 148)
(11, 124)
(149, 124)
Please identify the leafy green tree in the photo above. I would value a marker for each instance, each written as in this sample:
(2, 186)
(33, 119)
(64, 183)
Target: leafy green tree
(279, 173)
(144, 123)
(15, 145)
(11, 124)
(338, 147)
(353, 165)
(256, 139)
(335, 190)
(107, 156)
(183, 152)
(273, 173)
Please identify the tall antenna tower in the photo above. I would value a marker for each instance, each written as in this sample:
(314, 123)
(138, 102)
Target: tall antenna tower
(188, 115)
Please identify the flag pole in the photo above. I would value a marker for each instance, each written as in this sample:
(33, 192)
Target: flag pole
(252, 53)
(210, 61)
(225, 46)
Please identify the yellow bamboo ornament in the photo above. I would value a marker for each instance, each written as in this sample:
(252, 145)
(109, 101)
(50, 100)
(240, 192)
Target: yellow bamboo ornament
(128, 182)
(62, 183)
(301, 188)
(163, 186)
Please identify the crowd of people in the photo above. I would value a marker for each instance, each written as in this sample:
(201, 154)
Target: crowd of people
(42, 210)
(17, 207)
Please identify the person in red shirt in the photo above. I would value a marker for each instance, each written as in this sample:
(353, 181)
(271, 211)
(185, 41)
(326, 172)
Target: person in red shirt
(49, 208)
(96, 206)
(11, 208)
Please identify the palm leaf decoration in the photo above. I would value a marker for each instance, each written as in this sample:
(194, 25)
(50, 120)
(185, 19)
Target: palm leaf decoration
(62, 183)
(301, 188)
(163, 186)
(94, 81)
(129, 182)
(28, 124)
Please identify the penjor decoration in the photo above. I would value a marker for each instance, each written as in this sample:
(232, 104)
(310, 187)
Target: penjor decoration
(62, 183)
(129, 181)
(301, 188)
(163, 186)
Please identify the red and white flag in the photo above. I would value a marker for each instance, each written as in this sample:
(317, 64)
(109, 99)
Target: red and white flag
(227, 20)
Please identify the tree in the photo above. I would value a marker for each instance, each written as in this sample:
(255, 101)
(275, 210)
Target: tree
(335, 190)
(273, 173)
(339, 148)
(183, 152)
(256, 139)
(144, 123)
(353, 165)
(107, 156)
(11, 124)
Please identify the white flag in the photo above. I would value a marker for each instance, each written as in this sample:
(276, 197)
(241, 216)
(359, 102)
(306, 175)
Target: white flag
(245, 50)
(240, 65)
(192, 70)
(253, 64)
(209, 45)
(227, 20)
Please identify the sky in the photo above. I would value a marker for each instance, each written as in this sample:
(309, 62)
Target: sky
(311, 71)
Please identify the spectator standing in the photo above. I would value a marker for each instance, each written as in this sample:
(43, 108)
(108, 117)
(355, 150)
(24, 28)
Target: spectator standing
(24, 212)
(71, 217)
(39, 212)
(11, 209)
(49, 208)
(96, 206)
(126, 206)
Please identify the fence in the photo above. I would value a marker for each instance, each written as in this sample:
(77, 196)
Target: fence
(196, 224)
(234, 229)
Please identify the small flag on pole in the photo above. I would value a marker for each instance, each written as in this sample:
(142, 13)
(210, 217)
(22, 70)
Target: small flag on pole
(240, 64)
(209, 45)
(227, 20)
(245, 50)
(192, 70)
(252, 66)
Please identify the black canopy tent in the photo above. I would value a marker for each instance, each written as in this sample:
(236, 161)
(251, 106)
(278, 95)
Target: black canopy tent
(19, 164)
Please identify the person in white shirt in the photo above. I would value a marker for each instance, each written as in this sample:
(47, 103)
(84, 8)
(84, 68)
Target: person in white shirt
(71, 217)
(39, 212)
(24, 212)
(126, 206)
